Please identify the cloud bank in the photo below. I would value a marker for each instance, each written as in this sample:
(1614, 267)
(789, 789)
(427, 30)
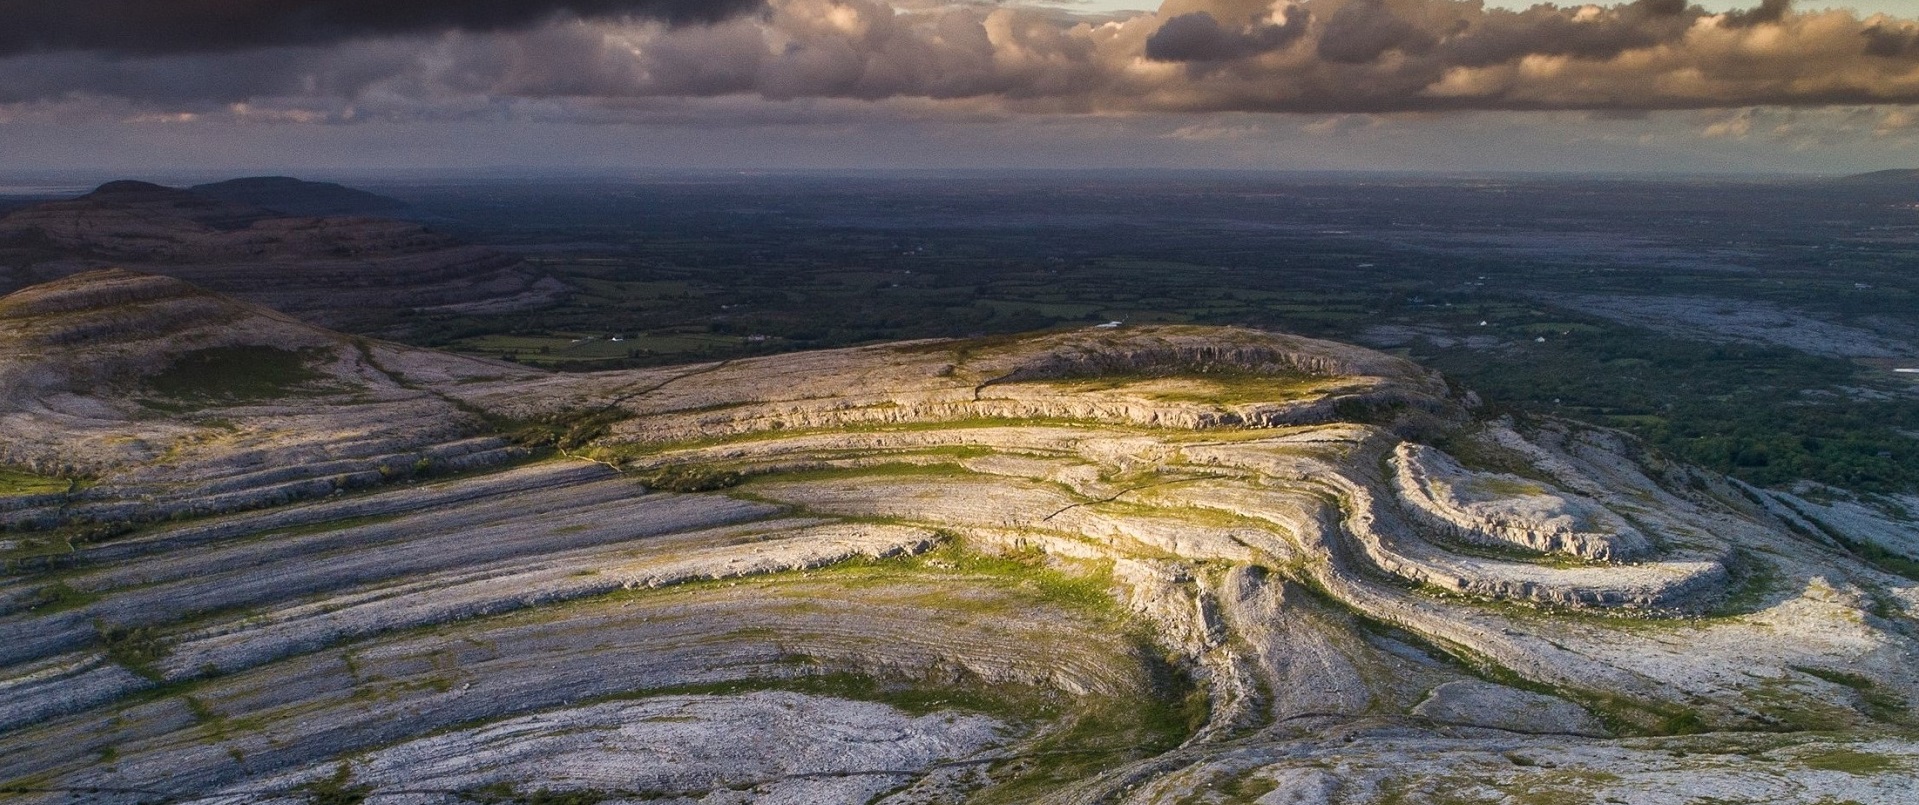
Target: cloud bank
(183, 26)
(606, 60)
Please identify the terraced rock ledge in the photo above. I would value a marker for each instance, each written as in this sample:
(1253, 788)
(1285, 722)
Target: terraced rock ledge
(249, 560)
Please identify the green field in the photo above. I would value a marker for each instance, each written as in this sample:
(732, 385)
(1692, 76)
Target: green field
(15, 483)
(238, 374)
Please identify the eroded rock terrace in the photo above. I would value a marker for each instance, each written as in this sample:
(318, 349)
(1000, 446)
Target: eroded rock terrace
(1167, 564)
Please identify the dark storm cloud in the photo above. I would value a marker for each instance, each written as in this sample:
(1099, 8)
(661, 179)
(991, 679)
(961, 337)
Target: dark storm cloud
(187, 26)
(1892, 41)
(1769, 12)
(1546, 31)
(196, 80)
(1198, 37)
(1364, 30)
(1657, 8)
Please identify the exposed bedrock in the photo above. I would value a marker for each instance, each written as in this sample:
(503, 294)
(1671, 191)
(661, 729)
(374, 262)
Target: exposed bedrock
(312, 709)
(1238, 379)
(760, 747)
(1146, 565)
(1503, 510)
(176, 402)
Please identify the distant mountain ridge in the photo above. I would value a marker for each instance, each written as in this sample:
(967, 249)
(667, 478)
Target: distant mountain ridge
(324, 251)
(1892, 176)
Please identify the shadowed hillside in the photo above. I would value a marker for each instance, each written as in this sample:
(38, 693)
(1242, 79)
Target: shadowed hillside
(299, 247)
(294, 197)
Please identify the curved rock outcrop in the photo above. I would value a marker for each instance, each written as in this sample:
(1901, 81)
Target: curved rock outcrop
(1503, 510)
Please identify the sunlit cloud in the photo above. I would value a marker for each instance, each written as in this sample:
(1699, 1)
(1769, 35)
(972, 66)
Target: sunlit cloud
(1312, 56)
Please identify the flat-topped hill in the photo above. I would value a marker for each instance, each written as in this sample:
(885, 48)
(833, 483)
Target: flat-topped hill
(297, 197)
(252, 560)
(1895, 176)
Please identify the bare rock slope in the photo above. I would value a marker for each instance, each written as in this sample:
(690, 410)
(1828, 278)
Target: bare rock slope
(178, 401)
(1147, 565)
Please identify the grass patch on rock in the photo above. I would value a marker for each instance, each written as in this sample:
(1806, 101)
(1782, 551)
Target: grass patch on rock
(691, 478)
(136, 648)
(1850, 761)
(60, 597)
(20, 483)
(1879, 703)
(1199, 387)
(239, 374)
(337, 789)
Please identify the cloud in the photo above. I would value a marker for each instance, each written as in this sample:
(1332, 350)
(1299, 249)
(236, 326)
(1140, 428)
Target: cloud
(185, 26)
(1364, 30)
(1895, 122)
(1737, 126)
(1211, 132)
(1498, 38)
(1199, 36)
(974, 60)
(1892, 40)
(1768, 12)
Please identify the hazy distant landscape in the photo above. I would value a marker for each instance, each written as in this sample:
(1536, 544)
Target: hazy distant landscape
(1751, 325)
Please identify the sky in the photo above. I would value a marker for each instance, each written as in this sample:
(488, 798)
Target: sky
(1865, 6)
(370, 87)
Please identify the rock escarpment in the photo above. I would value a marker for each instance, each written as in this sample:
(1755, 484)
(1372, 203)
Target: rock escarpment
(1168, 564)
